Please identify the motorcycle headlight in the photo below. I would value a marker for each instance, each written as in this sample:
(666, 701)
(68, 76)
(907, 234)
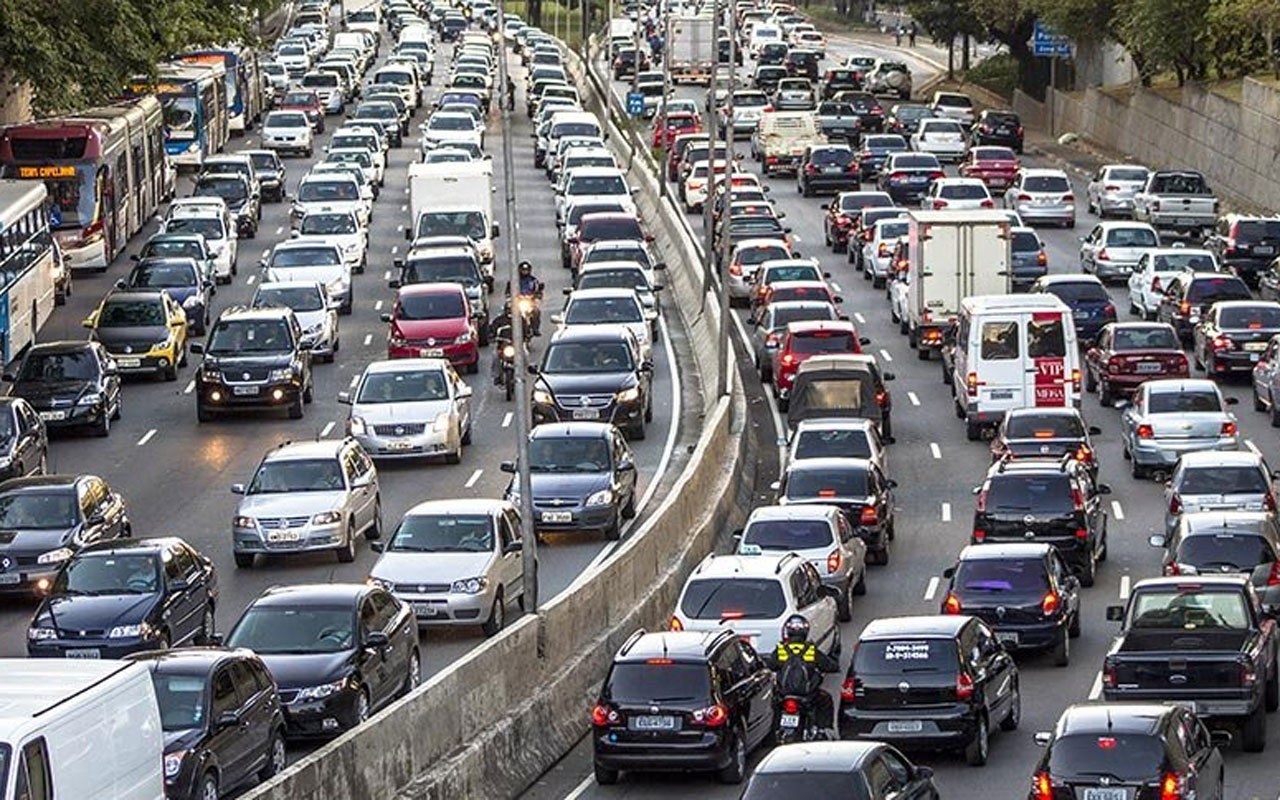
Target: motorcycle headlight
(41, 634)
(322, 691)
(281, 374)
(191, 302)
(245, 522)
(91, 399)
(629, 395)
(441, 423)
(142, 630)
(173, 763)
(509, 351)
(601, 498)
(327, 518)
(55, 556)
(525, 305)
(469, 585)
(542, 397)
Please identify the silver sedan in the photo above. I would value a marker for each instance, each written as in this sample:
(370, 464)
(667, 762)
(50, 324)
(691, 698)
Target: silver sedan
(1168, 418)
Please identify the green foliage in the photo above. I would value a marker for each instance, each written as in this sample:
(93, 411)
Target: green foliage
(998, 74)
(945, 19)
(1170, 35)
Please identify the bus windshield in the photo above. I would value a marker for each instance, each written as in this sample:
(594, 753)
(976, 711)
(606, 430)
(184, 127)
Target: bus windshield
(180, 118)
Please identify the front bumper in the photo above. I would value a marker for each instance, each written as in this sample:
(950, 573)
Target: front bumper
(942, 729)
(619, 413)
(90, 648)
(448, 609)
(419, 445)
(72, 416)
(310, 539)
(318, 718)
(289, 145)
(548, 518)
(218, 395)
(20, 581)
(151, 363)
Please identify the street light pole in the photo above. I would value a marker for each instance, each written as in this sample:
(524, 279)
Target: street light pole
(666, 97)
(722, 371)
(708, 220)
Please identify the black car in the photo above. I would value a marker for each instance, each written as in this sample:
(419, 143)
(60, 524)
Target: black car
(243, 204)
(1142, 751)
(254, 359)
(904, 118)
(766, 78)
(1045, 500)
(594, 375)
(70, 385)
(113, 598)
(868, 108)
(1191, 294)
(827, 167)
(1023, 591)
(583, 477)
(221, 718)
(865, 770)
(1233, 334)
(854, 485)
(997, 127)
(271, 172)
(46, 519)
(338, 652)
(627, 62)
(802, 63)
(24, 443)
(724, 48)
(935, 683)
(682, 701)
(906, 176)
(875, 150)
(835, 81)
(1206, 542)
(1046, 433)
(772, 54)
(181, 279)
(1245, 244)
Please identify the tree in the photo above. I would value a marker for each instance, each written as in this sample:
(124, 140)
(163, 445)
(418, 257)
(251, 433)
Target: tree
(1168, 35)
(944, 20)
(1234, 22)
(1012, 22)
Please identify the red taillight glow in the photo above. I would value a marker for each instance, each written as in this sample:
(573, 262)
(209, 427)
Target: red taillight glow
(849, 689)
(1106, 742)
(1171, 787)
(869, 516)
(1175, 504)
(982, 500)
(603, 716)
(987, 204)
(971, 383)
(1082, 534)
(834, 558)
(1084, 455)
(1273, 577)
(1042, 259)
(1077, 499)
(713, 717)
(951, 605)
(1145, 432)
(731, 615)
(735, 269)
(790, 706)
(1229, 429)
(1155, 284)
(1109, 673)
(1042, 787)
(964, 686)
(1103, 255)
(1049, 604)
(939, 204)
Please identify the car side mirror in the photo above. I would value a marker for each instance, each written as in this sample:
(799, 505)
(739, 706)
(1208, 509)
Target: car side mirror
(237, 488)
(626, 465)
(508, 466)
(122, 284)
(344, 398)
(8, 377)
(1042, 738)
(1094, 430)
(514, 548)
(1232, 401)
(1115, 613)
(533, 369)
(776, 486)
(87, 323)
(1104, 488)
(1157, 540)
(228, 719)
(825, 206)
(385, 317)
(557, 319)
(1221, 739)
(376, 640)
(464, 392)
(377, 545)
(864, 340)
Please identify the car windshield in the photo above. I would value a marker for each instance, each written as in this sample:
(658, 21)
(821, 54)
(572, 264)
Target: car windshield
(208, 227)
(1162, 338)
(603, 310)
(109, 573)
(432, 305)
(596, 184)
(250, 336)
(896, 656)
(170, 248)
(298, 475)
(1048, 426)
(38, 510)
(1081, 292)
(838, 443)
(131, 313)
(1189, 610)
(305, 630)
(321, 191)
(404, 386)
(568, 454)
(1234, 551)
(734, 598)
(1249, 317)
(74, 366)
(788, 534)
(328, 224)
(230, 189)
(181, 700)
(298, 298)
(1186, 401)
(827, 482)
(1132, 237)
(1049, 184)
(444, 533)
(1222, 480)
(818, 342)
(833, 157)
(1041, 494)
(163, 276)
(587, 357)
(1119, 756)
(642, 684)
(1023, 576)
(286, 257)
(1206, 291)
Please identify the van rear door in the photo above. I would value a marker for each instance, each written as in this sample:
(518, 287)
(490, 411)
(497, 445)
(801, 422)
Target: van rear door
(997, 374)
(1051, 361)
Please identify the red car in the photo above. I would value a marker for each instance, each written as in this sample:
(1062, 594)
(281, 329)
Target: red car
(675, 125)
(994, 166)
(433, 320)
(307, 101)
(1127, 354)
(803, 340)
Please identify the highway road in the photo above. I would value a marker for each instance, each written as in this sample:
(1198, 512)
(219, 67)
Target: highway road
(936, 469)
(175, 474)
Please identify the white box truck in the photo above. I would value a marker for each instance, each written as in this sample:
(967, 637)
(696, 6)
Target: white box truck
(692, 52)
(952, 255)
(79, 729)
(454, 199)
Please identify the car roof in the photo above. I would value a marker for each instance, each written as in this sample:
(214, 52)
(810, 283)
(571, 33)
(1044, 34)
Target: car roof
(154, 544)
(421, 289)
(1199, 523)
(1169, 385)
(592, 333)
(937, 625)
(189, 660)
(815, 325)
(1058, 280)
(806, 511)
(1208, 581)
(809, 757)
(674, 645)
(837, 424)
(830, 462)
(1043, 172)
(1112, 718)
(319, 448)
(393, 365)
(572, 430)
(998, 552)
(1246, 304)
(313, 592)
(267, 312)
(37, 483)
(764, 565)
(1043, 411)
(1112, 224)
(460, 505)
(606, 292)
(1223, 458)
(59, 347)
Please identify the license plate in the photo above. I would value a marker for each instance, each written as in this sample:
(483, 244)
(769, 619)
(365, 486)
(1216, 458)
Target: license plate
(789, 721)
(431, 352)
(654, 723)
(1255, 347)
(557, 516)
(833, 170)
(1109, 793)
(1081, 315)
(906, 726)
(1185, 221)
(1002, 394)
(919, 179)
(48, 416)
(244, 391)
(425, 610)
(1042, 201)
(1150, 367)
(128, 363)
(284, 536)
(10, 578)
(1008, 637)
(998, 182)
(399, 445)
(586, 413)
(85, 652)
(1264, 251)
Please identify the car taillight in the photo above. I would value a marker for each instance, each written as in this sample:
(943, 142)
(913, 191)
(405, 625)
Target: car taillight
(788, 359)
(868, 516)
(1077, 499)
(1082, 534)
(833, 560)
(1113, 364)
(981, 504)
(1103, 255)
(842, 220)
(979, 535)
(1084, 455)
(1068, 198)
(1075, 379)
(897, 176)
(1273, 577)
(1019, 130)
(1269, 502)
(810, 169)
(1110, 188)
(1024, 198)
(1175, 503)
(711, 717)
(1041, 786)
(790, 706)
(990, 204)
(1223, 343)
(883, 251)
(1145, 432)
(1171, 787)
(1042, 259)
(603, 716)
(1248, 675)
(1184, 307)
(849, 689)
(735, 268)
(1109, 673)
(951, 605)
(1229, 429)
(933, 176)
(939, 204)
(1049, 604)
(964, 687)
(93, 233)
(1155, 284)
(971, 383)
(1109, 311)
(882, 399)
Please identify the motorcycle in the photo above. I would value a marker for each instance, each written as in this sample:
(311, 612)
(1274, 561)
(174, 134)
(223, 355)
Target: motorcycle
(796, 722)
(507, 352)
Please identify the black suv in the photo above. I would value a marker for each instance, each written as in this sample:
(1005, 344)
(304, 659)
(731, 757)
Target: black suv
(594, 375)
(854, 485)
(1162, 750)
(997, 127)
(835, 81)
(1246, 244)
(271, 172)
(236, 191)
(1045, 500)
(70, 385)
(1023, 591)
(802, 63)
(870, 112)
(936, 683)
(1191, 294)
(1046, 433)
(221, 718)
(682, 701)
(254, 359)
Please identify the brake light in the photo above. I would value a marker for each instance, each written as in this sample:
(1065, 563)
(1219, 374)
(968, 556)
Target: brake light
(712, 717)
(1184, 307)
(1229, 429)
(1068, 198)
(971, 383)
(1110, 188)
(1109, 310)
(1081, 534)
(1145, 432)
(869, 516)
(1019, 130)
(989, 204)
(1155, 283)
(603, 716)
(1084, 454)
(979, 535)
(933, 176)
(1106, 742)
(1042, 787)
(884, 250)
(1223, 343)
(964, 686)
(1171, 787)
(1269, 502)
(849, 689)
(882, 399)
(833, 560)
(675, 624)
(1049, 604)
(1273, 577)
(1024, 198)
(788, 359)
(1042, 259)
(790, 706)
(939, 204)
(1175, 504)
(1075, 375)
(897, 176)
(1103, 255)
(735, 268)
(1077, 499)
(982, 505)
(951, 605)
(1109, 673)
(1113, 364)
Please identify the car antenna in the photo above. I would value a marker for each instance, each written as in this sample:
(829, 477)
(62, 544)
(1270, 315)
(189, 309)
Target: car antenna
(1108, 720)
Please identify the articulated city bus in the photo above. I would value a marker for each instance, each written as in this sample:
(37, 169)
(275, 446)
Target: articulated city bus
(29, 262)
(244, 83)
(194, 98)
(105, 171)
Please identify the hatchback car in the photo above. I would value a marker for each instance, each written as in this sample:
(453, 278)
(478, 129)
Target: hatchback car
(997, 127)
(869, 770)
(1218, 481)
(855, 485)
(1042, 195)
(410, 408)
(433, 320)
(906, 176)
(144, 330)
(852, 437)
(841, 220)
(957, 194)
(24, 442)
(317, 315)
(594, 376)
(1045, 433)
(70, 385)
(771, 328)
(944, 138)
(308, 496)
(1111, 250)
(338, 652)
(455, 563)
(875, 150)
(1169, 418)
(1090, 305)
(1233, 335)
(827, 167)
(1127, 354)
(289, 132)
(113, 598)
(1112, 188)
(805, 339)
(1214, 542)
(933, 683)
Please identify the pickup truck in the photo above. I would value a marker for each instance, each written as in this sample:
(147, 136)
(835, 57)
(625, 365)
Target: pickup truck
(1207, 641)
(781, 138)
(1179, 201)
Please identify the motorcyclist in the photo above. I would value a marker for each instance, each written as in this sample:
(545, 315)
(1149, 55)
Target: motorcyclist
(501, 335)
(799, 665)
(530, 286)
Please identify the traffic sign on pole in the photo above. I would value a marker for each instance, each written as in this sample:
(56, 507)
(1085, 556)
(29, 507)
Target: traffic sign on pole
(635, 103)
(1046, 43)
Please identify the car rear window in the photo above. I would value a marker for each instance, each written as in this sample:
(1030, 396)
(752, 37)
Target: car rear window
(838, 157)
(828, 482)
(1252, 317)
(1161, 338)
(1025, 242)
(894, 656)
(1132, 237)
(1055, 426)
(1013, 576)
(832, 444)
(964, 191)
(815, 342)
(1127, 175)
(1082, 292)
(916, 162)
(1256, 230)
(892, 230)
(734, 598)
(1123, 757)
(1214, 551)
(1187, 401)
(1041, 494)
(1222, 480)
(1211, 290)
(807, 783)
(854, 202)
(788, 534)
(1047, 183)
(642, 684)
(613, 228)
(885, 143)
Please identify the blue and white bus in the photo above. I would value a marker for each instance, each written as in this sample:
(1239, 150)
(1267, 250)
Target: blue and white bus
(243, 82)
(194, 98)
(29, 264)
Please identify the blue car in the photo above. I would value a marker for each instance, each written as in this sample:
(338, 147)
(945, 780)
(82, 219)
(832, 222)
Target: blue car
(1086, 297)
(182, 279)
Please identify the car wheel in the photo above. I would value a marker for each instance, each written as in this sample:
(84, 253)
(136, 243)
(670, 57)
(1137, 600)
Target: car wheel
(737, 767)
(1273, 690)
(606, 776)
(975, 753)
(361, 712)
(309, 393)
(295, 408)
(1090, 381)
(277, 758)
(413, 678)
(844, 604)
(208, 786)
(1073, 630)
(1138, 471)
(973, 431)
(347, 553)
(1090, 572)
(497, 616)
(374, 531)
(1010, 723)
(1258, 405)
(207, 629)
(1105, 398)
(1062, 649)
(171, 373)
(629, 510)
(103, 428)
(1253, 732)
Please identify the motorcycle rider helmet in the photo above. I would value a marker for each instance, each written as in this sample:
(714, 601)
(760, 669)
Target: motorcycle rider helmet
(795, 629)
(526, 268)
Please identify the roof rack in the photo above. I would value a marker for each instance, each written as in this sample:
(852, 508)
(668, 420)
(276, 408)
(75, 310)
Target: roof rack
(782, 562)
(631, 640)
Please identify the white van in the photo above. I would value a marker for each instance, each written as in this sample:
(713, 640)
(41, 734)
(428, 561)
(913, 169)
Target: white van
(79, 729)
(1012, 351)
(761, 35)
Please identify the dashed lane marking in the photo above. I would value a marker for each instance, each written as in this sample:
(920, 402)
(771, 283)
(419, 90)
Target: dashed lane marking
(861, 319)
(1124, 587)
(937, 451)
(506, 421)
(146, 437)
(915, 401)
(354, 380)
(368, 339)
(475, 476)
(190, 387)
(249, 281)
(885, 354)
(377, 306)
(946, 512)
(327, 429)
(1096, 691)
(1116, 509)
(932, 588)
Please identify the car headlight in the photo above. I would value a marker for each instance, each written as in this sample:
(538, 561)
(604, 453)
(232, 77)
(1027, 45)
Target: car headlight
(55, 556)
(244, 522)
(629, 395)
(464, 338)
(173, 763)
(91, 399)
(469, 585)
(322, 691)
(142, 630)
(441, 423)
(210, 374)
(191, 302)
(601, 498)
(327, 518)
(41, 634)
(382, 584)
(281, 374)
(160, 345)
(336, 286)
(542, 397)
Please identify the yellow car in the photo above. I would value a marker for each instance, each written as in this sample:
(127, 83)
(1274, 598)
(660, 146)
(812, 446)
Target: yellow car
(144, 330)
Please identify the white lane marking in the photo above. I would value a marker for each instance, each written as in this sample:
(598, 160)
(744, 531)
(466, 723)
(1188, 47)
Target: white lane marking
(1116, 510)
(915, 401)
(1124, 587)
(403, 208)
(377, 306)
(946, 512)
(386, 276)
(327, 429)
(835, 286)
(1096, 691)
(266, 253)
(475, 476)
(937, 451)
(932, 588)
(279, 230)
(506, 421)
(146, 437)
(249, 281)
(354, 380)
(885, 354)
(861, 319)
(368, 339)
(1253, 448)
(581, 788)
(395, 249)
(190, 387)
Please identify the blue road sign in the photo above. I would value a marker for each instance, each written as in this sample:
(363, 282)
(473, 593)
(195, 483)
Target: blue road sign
(635, 103)
(1046, 43)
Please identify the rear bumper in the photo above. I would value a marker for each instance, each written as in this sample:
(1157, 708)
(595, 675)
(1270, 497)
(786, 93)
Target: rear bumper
(944, 729)
(1157, 453)
(711, 752)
